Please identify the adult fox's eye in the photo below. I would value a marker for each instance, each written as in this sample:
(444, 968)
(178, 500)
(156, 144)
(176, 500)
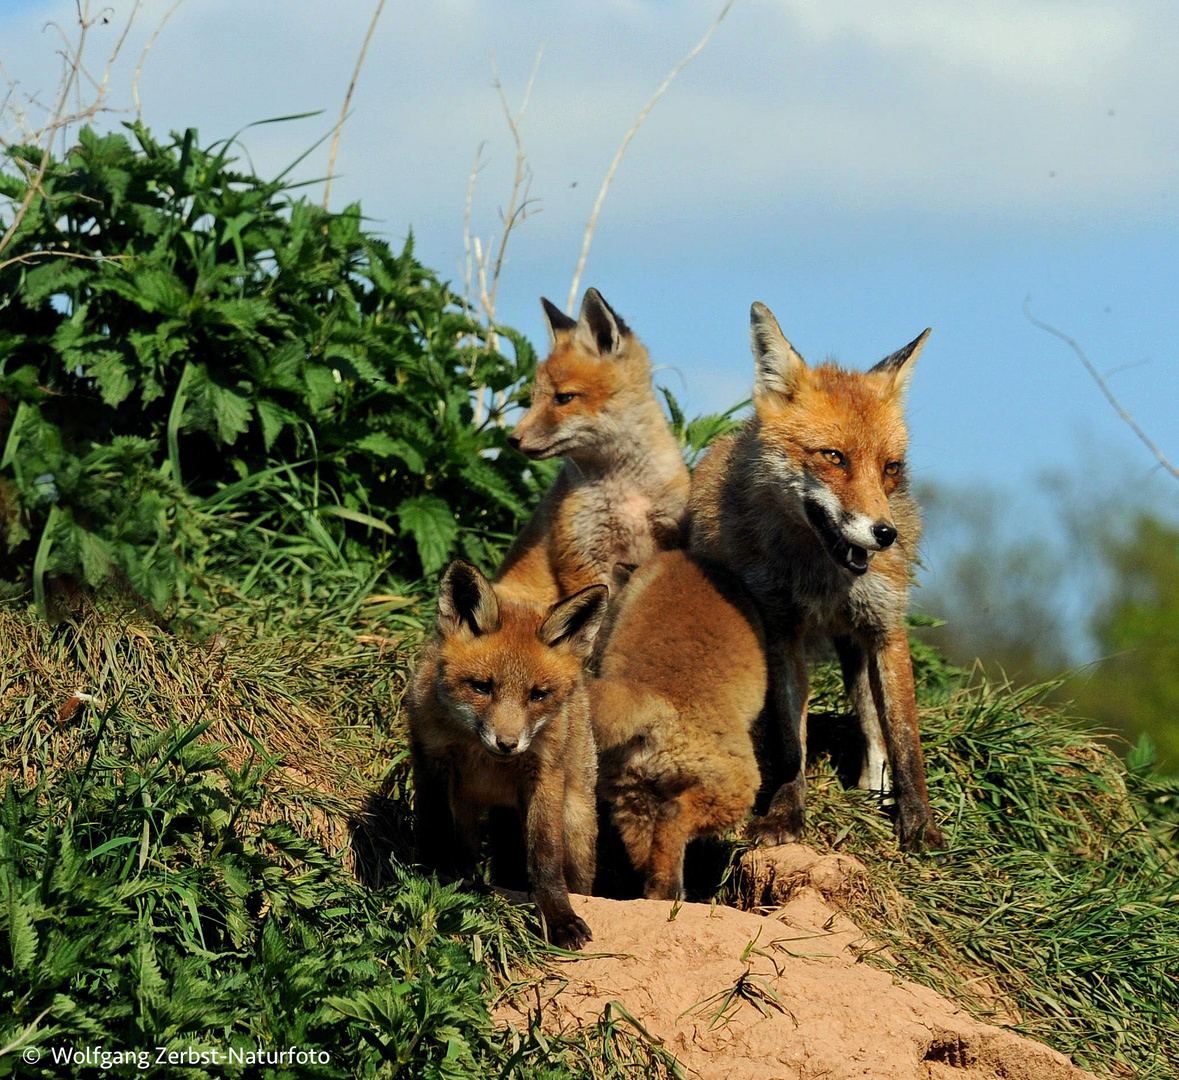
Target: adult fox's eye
(833, 456)
(538, 694)
(481, 686)
(563, 399)
(893, 468)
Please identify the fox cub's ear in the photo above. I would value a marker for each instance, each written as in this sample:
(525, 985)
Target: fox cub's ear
(573, 623)
(900, 364)
(558, 321)
(777, 365)
(467, 606)
(599, 330)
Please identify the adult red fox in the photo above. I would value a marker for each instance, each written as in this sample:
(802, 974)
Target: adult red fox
(682, 679)
(622, 493)
(499, 716)
(809, 505)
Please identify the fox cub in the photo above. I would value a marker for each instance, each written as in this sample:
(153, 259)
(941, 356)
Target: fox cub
(622, 493)
(499, 716)
(809, 505)
(682, 679)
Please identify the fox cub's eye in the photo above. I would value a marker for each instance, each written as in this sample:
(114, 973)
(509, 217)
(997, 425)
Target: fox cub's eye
(538, 694)
(834, 456)
(481, 686)
(563, 399)
(893, 468)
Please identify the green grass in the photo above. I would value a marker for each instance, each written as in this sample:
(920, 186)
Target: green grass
(176, 862)
(179, 855)
(1055, 909)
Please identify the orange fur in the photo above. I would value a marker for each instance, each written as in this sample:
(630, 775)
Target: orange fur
(499, 716)
(622, 493)
(809, 505)
(682, 678)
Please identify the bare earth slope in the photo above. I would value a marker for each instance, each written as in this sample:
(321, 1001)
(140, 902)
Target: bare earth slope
(804, 1008)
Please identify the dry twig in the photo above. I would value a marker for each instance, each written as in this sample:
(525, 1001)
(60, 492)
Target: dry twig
(486, 264)
(143, 57)
(372, 26)
(59, 120)
(1104, 387)
(593, 221)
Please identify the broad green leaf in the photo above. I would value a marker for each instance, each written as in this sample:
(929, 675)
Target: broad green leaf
(273, 418)
(432, 525)
(108, 369)
(22, 934)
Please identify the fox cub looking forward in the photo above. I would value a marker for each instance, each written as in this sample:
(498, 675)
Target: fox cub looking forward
(499, 716)
(622, 493)
(682, 678)
(809, 505)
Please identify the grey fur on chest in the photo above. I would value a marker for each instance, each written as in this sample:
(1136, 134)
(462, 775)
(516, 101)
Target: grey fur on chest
(809, 592)
(623, 518)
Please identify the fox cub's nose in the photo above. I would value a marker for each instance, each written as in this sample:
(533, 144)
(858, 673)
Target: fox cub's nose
(885, 534)
(514, 442)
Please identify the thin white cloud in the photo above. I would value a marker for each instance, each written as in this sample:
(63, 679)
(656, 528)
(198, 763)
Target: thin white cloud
(1021, 43)
(1013, 107)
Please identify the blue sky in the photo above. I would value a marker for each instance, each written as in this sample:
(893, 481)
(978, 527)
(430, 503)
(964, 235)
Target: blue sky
(865, 170)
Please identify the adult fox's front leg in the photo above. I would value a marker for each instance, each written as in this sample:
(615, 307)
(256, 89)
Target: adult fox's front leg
(890, 677)
(874, 764)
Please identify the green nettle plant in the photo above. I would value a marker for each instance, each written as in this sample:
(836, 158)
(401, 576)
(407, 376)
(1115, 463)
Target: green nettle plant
(185, 347)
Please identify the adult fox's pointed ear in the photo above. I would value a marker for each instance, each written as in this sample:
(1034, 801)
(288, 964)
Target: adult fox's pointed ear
(899, 366)
(467, 606)
(558, 321)
(777, 367)
(599, 329)
(573, 623)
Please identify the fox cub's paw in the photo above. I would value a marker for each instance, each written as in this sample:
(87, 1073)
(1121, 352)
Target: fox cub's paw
(568, 931)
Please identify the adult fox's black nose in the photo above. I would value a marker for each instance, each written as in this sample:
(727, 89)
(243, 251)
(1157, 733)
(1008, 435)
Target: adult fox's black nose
(885, 534)
(507, 743)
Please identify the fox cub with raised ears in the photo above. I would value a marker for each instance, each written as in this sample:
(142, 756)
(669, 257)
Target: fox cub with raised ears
(622, 493)
(499, 716)
(681, 682)
(809, 505)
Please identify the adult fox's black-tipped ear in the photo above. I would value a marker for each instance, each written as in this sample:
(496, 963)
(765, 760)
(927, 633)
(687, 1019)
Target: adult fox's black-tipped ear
(558, 321)
(900, 364)
(777, 366)
(599, 329)
(573, 623)
(467, 606)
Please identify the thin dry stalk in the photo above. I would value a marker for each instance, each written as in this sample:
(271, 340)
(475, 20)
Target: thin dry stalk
(1104, 387)
(106, 75)
(593, 221)
(468, 264)
(59, 121)
(32, 258)
(486, 264)
(518, 206)
(143, 57)
(372, 26)
(73, 60)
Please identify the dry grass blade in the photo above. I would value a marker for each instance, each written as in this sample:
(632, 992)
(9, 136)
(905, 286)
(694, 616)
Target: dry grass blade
(1122, 412)
(593, 220)
(372, 26)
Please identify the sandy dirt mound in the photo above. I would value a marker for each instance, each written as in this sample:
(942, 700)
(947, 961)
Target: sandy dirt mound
(742, 996)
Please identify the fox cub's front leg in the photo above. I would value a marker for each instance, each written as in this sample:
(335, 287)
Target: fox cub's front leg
(544, 829)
